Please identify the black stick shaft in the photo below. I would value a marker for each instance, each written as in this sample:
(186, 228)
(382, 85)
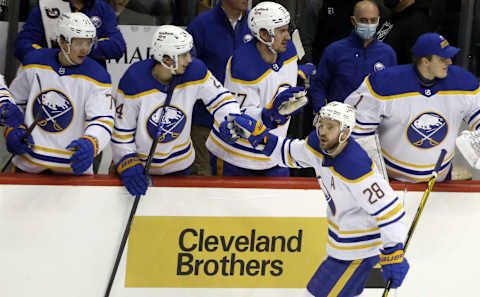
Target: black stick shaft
(431, 182)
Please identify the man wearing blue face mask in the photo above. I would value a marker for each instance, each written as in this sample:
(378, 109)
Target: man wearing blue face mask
(346, 62)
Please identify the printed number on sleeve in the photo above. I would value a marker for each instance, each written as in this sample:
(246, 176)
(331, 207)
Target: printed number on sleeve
(374, 193)
(119, 111)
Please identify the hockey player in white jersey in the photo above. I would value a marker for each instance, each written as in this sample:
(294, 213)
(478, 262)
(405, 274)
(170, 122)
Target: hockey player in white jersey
(263, 76)
(10, 114)
(69, 96)
(365, 217)
(418, 109)
(145, 110)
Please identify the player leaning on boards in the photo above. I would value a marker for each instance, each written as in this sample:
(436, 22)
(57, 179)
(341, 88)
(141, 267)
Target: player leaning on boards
(365, 217)
(10, 114)
(144, 110)
(263, 75)
(418, 109)
(70, 95)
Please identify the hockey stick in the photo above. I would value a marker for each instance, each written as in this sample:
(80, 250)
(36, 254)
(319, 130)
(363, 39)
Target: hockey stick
(153, 147)
(430, 184)
(30, 128)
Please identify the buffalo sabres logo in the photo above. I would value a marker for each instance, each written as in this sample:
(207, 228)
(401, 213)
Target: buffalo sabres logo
(52, 13)
(168, 124)
(247, 38)
(378, 66)
(427, 130)
(96, 21)
(56, 111)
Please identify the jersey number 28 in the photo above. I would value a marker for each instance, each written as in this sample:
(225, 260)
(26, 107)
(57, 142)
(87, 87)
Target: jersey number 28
(374, 193)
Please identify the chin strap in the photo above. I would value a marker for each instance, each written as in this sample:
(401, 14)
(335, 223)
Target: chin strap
(66, 54)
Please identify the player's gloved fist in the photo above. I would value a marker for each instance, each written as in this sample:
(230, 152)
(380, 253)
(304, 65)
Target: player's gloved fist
(132, 174)
(16, 142)
(228, 130)
(468, 143)
(394, 265)
(86, 147)
(305, 72)
(285, 104)
(11, 115)
(248, 128)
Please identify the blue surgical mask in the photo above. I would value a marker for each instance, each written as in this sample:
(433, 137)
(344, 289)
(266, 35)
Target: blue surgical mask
(366, 31)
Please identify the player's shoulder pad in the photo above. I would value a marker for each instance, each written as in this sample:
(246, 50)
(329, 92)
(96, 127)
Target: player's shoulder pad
(93, 70)
(380, 82)
(195, 72)
(135, 79)
(353, 164)
(459, 79)
(246, 64)
(41, 56)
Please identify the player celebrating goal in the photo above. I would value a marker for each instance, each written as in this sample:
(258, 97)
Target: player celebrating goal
(155, 99)
(263, 75)
(68, 96)
(365, 218)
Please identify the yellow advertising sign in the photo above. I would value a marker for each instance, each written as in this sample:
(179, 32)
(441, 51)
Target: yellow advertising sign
(224, 252)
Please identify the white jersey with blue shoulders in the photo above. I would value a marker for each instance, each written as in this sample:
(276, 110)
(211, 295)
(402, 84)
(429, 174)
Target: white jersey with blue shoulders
(140, 98)
(255, 84)
(71, 102)
(364, 213)
(415, 123)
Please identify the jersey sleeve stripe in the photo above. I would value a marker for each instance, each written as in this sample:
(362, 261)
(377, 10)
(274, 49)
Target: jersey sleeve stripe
(355, 247)
(473, 116)
(362, 134)
(118, 142)
(385, 207)
(122, 136)
(109, 131)
(367, 124)
(214, 99)
(220, 102)
(391, 213)
(352, 239)
(391, 222)
(338, 231)
(220, 107)
(124, 130)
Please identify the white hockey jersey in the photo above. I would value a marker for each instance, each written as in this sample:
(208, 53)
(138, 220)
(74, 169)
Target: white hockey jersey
(140, 98)
(415, 123)
(255, 84)
(364, 213)
(70, 101)
(5, 95)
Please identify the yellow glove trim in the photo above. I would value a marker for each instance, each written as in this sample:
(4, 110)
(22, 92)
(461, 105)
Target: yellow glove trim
(127, 163)
(259, 129)
(396, 257)
(94, 141)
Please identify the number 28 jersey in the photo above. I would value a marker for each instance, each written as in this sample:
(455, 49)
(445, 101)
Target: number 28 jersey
(364, 213)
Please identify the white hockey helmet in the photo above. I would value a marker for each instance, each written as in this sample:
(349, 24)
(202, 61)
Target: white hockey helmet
(269, 16)
(75, 25)
(338, 111)
(171, 41)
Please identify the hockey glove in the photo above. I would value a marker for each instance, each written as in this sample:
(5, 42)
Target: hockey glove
(394, 265)
(86, 148)
(227, 129)
(16, 142)
(10, 115)
(133, 176)
(305, 72)
(285, 104)
(468, 143)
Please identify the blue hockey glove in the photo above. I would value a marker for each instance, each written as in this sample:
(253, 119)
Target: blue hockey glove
(228, 131)
(305, 73)
(86, 147)
(133, 176)
(10, 115)
(285, 104)
(16, 142)
(394, 265)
